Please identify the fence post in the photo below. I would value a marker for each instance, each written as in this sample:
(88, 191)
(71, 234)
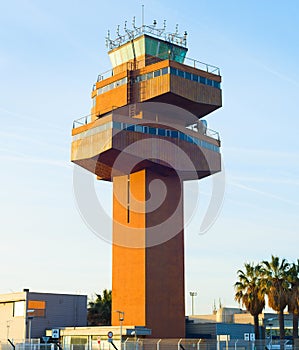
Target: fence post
(179, 343)
(198, 346)
(125, 343)
(158, 344)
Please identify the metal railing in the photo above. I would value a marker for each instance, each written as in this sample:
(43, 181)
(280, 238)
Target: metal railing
(34, 344)
(82, 121)
(164, 344)
(202, 66)
(184, 344)
(205, 131)
(191, 62)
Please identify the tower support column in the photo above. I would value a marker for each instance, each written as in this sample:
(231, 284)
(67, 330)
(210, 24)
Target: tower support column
(148, 252)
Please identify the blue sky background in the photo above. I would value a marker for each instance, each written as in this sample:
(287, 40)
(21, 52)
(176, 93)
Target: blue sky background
(51, 54)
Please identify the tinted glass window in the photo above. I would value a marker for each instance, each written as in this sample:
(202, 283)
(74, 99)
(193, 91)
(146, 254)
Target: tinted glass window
(209, 82)
(152, 131)
(131, 127)
(173, 71)
(161, 132)
(194, 77)
(196, 141)
(165, 70)
(202, 80)
(174, 134)
(216, 84)
(157, 73)
(182, 136)
(181, 73)
(189, 139)
(117, 125)
(149, 75)
(188, 75)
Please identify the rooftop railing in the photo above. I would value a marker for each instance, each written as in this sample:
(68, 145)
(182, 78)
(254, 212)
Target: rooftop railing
(201, 65)
(199, 128)
(82, 121)
(187, 61)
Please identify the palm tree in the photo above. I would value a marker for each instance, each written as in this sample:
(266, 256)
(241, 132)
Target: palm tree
(250, 292)
(293, 301)
(99, 310)
(275, 281)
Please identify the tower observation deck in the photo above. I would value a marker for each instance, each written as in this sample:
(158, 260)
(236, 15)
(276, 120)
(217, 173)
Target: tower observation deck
(146, 134)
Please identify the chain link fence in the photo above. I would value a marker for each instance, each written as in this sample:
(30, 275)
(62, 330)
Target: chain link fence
(162, 344)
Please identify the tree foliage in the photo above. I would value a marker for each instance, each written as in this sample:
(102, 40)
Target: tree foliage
(99, 310)
(277, 287)
(293, 297)
(279, 281)
(250, 292)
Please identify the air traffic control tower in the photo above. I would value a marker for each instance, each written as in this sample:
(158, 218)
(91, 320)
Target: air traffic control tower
(146, 135)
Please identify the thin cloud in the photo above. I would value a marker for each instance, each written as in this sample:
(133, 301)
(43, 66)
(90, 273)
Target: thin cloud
(44, 122)
(262, 152)
(25, 159)
(280, 181)
(266, 194)
(280, 75)
(30, 140)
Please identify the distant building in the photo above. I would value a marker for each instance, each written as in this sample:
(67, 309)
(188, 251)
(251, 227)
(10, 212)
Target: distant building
(223, 314)
(236, 323)
(28, 314)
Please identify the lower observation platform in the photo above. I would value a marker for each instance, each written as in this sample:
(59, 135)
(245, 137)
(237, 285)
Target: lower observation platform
(117, 144)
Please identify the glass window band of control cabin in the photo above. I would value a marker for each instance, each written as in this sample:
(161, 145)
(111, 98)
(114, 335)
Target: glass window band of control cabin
(179, 73)
(159, 72)
(175, 134)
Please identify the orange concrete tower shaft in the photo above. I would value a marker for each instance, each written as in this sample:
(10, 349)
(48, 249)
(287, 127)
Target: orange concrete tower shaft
(145, 134)
(148, 281)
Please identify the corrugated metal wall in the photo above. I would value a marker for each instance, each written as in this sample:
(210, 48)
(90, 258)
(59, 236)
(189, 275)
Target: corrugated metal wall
(62, 310)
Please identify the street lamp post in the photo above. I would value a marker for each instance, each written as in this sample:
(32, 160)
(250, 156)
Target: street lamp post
(29, 318)
(192, 294)
(121, 316)
(7, 325)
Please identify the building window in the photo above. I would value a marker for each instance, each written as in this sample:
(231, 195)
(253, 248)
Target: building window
(152, 131)
(195, 77)
(173, 71)
(161, 132)
(188, 75)
(157, 73)
(181, 73)
(149, 75)
(202, 80)
(164, 70)
(19, 308)
(209, 82)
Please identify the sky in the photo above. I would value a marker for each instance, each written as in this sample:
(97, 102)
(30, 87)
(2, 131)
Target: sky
(50, 56)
